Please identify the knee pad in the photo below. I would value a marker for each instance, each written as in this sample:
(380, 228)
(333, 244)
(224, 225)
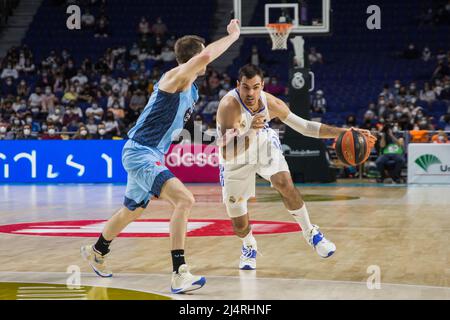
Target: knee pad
(238, 209)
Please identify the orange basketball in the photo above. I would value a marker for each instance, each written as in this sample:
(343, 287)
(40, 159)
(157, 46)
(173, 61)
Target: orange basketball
(352, 148)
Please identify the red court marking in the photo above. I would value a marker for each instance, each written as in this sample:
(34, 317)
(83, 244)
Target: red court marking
(146, 228)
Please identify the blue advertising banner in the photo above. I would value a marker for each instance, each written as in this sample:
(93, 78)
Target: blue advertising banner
(58, 161)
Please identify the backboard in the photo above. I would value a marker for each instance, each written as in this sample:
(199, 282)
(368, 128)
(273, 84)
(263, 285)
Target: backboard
(307, 16)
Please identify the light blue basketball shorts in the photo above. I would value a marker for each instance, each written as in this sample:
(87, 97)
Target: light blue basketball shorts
(146, 174)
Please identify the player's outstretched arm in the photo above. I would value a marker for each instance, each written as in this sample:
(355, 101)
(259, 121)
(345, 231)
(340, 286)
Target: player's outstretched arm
(212, 51)
(308, 128)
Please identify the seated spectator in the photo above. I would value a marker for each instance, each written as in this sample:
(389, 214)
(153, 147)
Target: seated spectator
(171, 41)
(274, 87)
(65, 133)
(445, 93)
(35, 99)
(411, 52)
(20, 66)
(427, 94)
(29, 67)
(138, 100)
(51, 134)
(111, 125)
(23, 90)
(386, 93)
(34, 124)
(87, 19)
(95, 111)
(440, 137)
(70, 116)
(391, 154)
(442, 70)
(426, 54)
(50, 61)
(26, 134)
(70, 95)
(82, 134)
(143, 55)
(117, 110)
(419, 135)
(80, 77)
(73, 126)
(167, 54)
(319, 104)
(134, 51)
(49, 100)
(102, 29)
(9, 72)
(144, 27)
(116, 97)
(91, 125)
(20, 106)
(6, 110)
(350, 121)
(314, 56)
(255, 58)
(9, 88)
(159, 28)
(56, 116)
(102, 133)
(6, 134)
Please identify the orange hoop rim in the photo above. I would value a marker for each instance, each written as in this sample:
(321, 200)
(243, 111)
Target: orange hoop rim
(280, 27)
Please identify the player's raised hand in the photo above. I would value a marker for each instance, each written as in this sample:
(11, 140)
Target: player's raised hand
(233, 28)
(258, 122)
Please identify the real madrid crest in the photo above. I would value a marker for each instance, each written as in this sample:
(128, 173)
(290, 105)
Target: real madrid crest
(298, 81)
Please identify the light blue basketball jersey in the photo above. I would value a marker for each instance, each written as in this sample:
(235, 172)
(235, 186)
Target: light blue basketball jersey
(163, 118)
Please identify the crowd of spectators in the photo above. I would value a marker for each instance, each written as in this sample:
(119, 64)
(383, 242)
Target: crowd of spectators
(61, 98)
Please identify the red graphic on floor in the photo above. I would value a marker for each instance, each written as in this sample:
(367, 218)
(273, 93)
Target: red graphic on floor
(156, 228)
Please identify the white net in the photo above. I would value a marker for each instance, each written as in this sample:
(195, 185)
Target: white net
(279, 33)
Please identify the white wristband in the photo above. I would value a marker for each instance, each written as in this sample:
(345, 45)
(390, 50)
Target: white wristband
(305, 127)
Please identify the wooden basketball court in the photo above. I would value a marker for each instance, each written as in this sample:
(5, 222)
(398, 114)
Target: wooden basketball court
(401, 231)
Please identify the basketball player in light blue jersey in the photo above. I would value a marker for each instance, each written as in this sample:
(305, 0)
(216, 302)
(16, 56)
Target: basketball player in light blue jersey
(169, 107)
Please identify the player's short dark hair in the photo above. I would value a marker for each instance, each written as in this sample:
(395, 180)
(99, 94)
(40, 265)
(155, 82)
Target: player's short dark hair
(188, 46)
(249, 71)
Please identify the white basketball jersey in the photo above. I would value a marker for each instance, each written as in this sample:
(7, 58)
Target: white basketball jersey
(244, 125)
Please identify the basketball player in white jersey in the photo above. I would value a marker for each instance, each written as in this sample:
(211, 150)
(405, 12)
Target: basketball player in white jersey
(248, 146)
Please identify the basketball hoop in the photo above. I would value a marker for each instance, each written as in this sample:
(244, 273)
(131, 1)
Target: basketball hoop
(279, 32)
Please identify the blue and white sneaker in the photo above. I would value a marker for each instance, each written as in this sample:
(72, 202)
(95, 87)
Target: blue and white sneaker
(184, 281)
(96, 261)
(317, 240)
(247, 260)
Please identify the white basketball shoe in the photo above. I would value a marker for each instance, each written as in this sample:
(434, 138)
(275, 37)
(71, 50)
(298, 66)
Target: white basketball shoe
(96, 261)
(184, 281)
(321, 245)
(247, 260)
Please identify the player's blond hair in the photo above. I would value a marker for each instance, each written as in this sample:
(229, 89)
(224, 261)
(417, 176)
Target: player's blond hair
(188, 46)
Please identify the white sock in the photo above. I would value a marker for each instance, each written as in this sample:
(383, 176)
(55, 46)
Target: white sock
(302, 218)
(249, 240)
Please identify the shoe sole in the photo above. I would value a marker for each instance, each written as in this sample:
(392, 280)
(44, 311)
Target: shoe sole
(103, 275)
(247, 267)
(200, 282)
(329, 255)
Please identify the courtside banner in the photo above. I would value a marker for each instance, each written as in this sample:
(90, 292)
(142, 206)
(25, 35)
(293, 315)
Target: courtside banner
(94, 161)
(428, 163)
